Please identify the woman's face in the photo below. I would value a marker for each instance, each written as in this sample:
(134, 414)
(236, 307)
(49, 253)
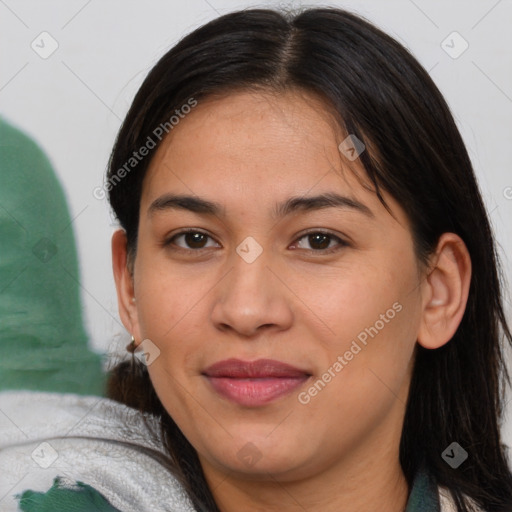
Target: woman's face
(286, 321)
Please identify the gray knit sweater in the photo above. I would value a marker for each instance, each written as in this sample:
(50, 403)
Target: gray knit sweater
(109, 448)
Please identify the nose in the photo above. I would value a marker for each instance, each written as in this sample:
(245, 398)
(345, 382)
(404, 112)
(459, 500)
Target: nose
(251, 299)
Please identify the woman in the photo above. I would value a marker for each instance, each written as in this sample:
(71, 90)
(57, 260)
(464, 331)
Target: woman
(307, 268)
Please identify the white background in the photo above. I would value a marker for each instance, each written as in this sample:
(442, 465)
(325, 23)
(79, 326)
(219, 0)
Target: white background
(72, 102)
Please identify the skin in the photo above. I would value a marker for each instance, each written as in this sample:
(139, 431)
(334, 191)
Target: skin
(294, 303)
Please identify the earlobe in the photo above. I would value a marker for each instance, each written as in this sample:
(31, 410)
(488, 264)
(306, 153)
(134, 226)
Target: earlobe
(124, 284)
(445, 292)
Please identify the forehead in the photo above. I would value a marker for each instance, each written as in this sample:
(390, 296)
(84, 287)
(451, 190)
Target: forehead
(247, 135)
(256, 148)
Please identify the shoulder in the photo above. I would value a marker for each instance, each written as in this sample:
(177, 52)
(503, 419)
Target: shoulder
(107, 446)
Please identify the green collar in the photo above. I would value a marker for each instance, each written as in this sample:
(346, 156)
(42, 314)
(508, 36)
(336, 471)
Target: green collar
(424, 495)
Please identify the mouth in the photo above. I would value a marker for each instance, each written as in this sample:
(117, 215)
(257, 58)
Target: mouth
(254, 383)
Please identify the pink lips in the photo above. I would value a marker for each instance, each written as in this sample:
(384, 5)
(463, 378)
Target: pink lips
(254, 383)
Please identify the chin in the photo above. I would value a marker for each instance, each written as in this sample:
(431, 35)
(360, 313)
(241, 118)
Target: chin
(257, 460)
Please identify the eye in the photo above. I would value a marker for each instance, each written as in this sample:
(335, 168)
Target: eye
(321, 241)
(192, 238)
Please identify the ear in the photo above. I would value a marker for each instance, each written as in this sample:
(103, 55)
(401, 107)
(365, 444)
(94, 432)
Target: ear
(124, 285)
(445, 292)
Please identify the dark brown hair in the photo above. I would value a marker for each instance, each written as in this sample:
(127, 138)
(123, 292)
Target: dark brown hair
(381, 94)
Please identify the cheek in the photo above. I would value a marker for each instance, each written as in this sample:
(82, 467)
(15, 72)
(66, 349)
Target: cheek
(373, 317)
(353, 299)
(167, 296)
(367, 372)
(172, 313)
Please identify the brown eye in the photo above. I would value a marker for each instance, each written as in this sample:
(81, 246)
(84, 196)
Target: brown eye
(195, 240)
(319, 241)
(190, 240)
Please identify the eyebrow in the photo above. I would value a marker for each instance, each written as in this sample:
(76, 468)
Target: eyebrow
(293, 204)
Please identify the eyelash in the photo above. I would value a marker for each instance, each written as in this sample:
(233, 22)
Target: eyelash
(341, 243)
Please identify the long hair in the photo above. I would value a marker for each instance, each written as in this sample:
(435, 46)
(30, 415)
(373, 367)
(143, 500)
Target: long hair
(377, 91)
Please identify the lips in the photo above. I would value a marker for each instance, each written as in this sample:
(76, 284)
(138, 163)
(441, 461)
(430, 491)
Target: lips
(254, 383)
